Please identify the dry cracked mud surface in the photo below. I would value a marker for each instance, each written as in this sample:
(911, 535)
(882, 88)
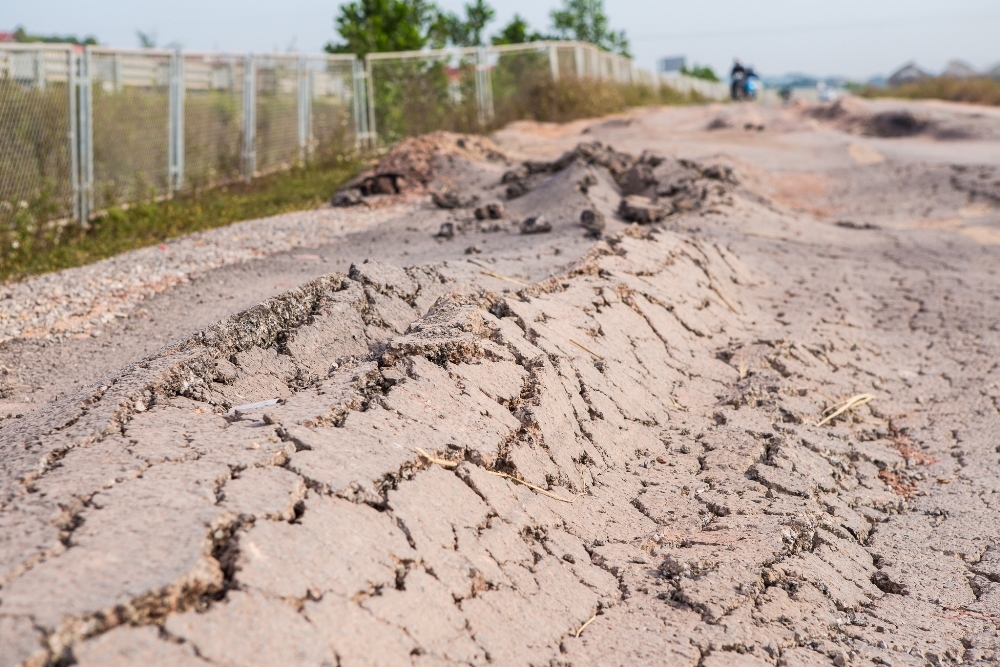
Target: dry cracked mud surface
(633, 457)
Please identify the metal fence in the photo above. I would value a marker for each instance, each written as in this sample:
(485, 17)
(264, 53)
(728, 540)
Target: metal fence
(82, 129)
(85, 128)
(711, 90)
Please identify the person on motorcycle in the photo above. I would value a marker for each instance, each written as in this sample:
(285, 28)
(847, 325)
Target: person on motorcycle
(744, 81)
(737, 77)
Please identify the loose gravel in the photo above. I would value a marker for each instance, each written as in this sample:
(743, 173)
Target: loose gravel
(76, 300)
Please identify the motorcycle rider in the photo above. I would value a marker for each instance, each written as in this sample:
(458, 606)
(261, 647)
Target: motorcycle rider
(737, 75)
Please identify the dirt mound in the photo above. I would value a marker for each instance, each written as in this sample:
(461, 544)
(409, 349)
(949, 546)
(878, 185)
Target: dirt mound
(893, 124)
(859, 117)
(652, 187)
(409, 167)
(461, 172)
(856, 116)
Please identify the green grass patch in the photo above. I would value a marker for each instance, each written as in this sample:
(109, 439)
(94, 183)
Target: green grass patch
(33, 246)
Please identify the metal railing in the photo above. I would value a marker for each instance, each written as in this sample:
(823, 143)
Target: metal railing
(711, 90)
(86, 128)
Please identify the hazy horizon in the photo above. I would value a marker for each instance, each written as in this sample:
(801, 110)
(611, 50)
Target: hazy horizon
(855, 38)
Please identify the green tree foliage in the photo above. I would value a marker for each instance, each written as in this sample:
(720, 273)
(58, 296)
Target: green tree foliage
(585, 21)
(368, 26)
(516, 32)
(451, 29)
(24, 37)
(700, 72)
(147, 40)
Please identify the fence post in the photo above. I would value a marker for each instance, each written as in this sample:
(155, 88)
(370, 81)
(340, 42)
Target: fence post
(72, 62)
(484, 86)
(554, 62)
(578, 60)
(40, 69)
(85, 132)
(117, 66)
(176, 123)
(303, 104)
(360, 105)
(249, 117)
(370, 90)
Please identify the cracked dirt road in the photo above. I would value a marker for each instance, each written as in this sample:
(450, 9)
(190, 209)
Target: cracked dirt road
(626, 464)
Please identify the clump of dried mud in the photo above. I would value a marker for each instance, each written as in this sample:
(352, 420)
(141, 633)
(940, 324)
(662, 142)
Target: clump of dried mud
(650, 187)
(409, 166)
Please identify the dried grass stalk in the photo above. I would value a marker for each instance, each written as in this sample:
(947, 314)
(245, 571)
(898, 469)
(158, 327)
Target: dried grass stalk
(853, 402)
(534, 488)
(585, 349)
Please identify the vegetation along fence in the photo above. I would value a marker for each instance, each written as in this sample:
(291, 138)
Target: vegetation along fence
(85, 128)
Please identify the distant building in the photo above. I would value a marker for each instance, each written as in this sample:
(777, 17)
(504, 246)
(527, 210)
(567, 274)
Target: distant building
(671, 64)
(994, 72)
(908, 73)
(956, 69)
(7, 36)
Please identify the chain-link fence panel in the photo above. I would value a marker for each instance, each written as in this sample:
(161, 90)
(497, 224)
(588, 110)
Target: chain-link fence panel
(334, 107)
(434, 90)
(277, 112)
(213, 118)
(565, 60)
(521, 81)
(36, 136)
(130, 123)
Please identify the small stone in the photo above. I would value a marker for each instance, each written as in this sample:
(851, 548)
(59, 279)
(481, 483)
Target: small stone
(472, 250)
(349, 197)
(592, 221)
(95, 334)
(515, 175)
(536, 225)
(447, 200)
(493, 211)
(447, 231)
(661, 459)
(636, 208)
(517, 189)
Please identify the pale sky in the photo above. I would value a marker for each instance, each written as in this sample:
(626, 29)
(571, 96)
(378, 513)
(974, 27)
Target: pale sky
(856, 38)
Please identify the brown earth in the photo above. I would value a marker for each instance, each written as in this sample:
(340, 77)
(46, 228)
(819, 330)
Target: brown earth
(639, 459)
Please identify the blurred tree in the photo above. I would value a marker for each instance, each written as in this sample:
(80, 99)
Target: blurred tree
(700, 72)
(452, 29)
(368, 26)
(147, 40)
(516, 32)
(585, 20)
(23, 36)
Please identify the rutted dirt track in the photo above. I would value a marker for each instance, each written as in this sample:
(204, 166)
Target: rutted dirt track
(620, 464)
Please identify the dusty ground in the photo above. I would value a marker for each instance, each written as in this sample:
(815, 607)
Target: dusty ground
(621, 464)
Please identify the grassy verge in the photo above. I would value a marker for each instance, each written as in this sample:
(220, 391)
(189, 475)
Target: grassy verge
(975, 91)
(33, 247)
(573, 99)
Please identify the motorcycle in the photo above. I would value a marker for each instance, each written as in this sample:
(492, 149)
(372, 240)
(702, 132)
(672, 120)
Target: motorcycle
(745, 86)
